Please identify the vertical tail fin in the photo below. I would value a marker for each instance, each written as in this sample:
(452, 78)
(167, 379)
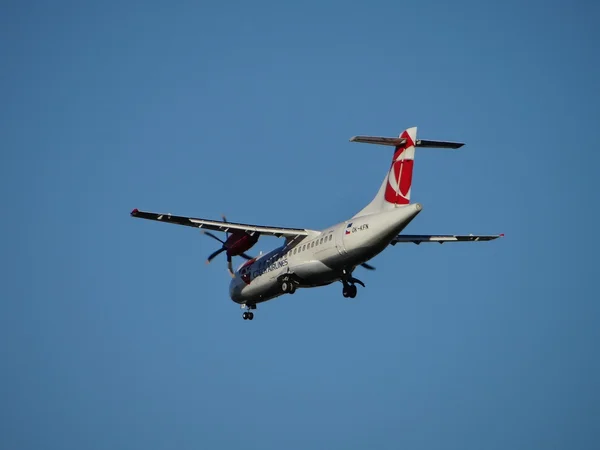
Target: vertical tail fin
(396, 187)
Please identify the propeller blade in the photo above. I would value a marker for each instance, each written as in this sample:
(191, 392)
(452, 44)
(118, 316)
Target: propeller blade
(225, 220)
(213, 254)
(230, 267)
(208, 233)
(243, 255)
(368, 266)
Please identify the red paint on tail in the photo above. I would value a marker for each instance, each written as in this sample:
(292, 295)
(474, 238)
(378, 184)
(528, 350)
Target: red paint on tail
(400, 174)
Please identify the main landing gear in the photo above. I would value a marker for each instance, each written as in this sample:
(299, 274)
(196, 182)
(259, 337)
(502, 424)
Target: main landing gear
(248, 315)
(287, 286)
(349, 289)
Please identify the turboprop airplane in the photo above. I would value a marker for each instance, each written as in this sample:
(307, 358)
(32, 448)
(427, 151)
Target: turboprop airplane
(312, 258)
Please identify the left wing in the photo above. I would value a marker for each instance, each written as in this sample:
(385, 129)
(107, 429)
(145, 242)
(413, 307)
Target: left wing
(418, 238)
(216, 225)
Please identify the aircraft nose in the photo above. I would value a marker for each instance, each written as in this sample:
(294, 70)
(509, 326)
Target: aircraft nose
(235, 289)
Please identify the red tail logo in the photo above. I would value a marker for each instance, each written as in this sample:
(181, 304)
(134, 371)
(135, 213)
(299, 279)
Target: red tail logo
(397, 190)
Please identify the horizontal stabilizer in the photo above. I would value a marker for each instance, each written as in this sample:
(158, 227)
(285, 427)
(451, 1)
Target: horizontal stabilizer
(393, 141)
(438, 144)
(397, 141)
(419, 238)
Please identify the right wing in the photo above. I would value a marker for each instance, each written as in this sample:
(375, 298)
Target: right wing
(216, 225)
(419, 238)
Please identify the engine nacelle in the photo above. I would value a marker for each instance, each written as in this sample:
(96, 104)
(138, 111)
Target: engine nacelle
(239, 242)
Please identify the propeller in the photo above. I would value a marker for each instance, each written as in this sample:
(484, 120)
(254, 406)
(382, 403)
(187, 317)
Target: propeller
(221, 250)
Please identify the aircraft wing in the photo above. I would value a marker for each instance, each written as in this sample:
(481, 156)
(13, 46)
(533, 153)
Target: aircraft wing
(217, 225)
(419, 238)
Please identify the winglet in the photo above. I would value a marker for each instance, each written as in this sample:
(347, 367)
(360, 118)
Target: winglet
(134, 212)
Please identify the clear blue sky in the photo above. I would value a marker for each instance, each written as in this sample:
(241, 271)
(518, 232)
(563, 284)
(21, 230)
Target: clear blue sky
(114, 334)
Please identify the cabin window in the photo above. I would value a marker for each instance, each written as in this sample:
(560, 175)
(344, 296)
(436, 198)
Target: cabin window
(321, 241)
(330, 236)
(304, 247)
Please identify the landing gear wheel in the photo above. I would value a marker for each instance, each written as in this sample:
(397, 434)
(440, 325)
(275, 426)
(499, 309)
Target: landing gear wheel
(287, 286)
(352, 291)
(245, 316)
(349, 290)
(248, 316)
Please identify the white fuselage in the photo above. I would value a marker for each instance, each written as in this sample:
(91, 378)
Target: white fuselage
(321, 257)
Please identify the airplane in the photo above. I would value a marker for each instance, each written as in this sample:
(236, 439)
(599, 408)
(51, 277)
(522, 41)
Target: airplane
(313, 258)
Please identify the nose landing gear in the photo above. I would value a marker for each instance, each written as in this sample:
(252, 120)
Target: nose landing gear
(248, 315)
